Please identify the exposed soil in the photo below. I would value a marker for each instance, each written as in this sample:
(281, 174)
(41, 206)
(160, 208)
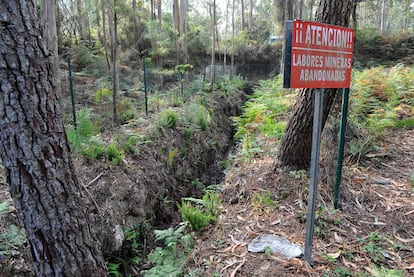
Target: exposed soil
(376, 196)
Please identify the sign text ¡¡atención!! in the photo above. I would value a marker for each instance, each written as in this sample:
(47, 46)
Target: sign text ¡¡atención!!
(317, 55)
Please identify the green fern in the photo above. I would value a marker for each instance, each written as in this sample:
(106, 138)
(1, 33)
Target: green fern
(200, 212)
(4, 207)
(93, 149)
(85, 129)
(168, 119)
(169, 259)
(14, 237)
(114, 153)
(264, 111)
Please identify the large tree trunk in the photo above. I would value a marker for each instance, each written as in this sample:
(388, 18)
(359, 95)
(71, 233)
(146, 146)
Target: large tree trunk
(49, 31)
(35, 152)
(152, 9)
(295, 145)
(354, 14)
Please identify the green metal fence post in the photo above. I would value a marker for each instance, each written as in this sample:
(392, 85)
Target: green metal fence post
(145, 86)
(340, 158)
(72, 94)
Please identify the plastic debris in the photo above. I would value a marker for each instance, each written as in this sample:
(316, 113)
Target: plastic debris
(276, 244)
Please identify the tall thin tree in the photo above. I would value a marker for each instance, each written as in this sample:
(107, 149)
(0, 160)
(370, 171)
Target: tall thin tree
(213, 42)
(113, 33)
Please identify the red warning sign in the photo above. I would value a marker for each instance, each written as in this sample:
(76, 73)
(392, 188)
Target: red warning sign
(319, 55)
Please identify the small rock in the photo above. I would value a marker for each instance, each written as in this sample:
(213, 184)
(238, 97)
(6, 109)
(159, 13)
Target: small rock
(118, 236)
(276, 244)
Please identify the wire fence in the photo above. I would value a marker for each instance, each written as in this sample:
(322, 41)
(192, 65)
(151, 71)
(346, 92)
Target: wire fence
(147, 89)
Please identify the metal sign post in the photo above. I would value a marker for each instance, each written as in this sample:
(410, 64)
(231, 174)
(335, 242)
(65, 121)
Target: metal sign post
(314, 172)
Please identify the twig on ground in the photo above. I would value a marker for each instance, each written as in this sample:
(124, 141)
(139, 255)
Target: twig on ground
(92, 199)
(237, 268)
(95, 179)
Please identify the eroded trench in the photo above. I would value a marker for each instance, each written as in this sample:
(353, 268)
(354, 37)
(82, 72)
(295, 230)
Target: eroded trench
(144, 192)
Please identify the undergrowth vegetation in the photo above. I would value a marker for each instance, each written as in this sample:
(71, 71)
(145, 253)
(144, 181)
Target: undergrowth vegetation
(13, 237)
(174, 243)
(382, 100)
(200, 212)
(169, 258)
(85, 140)
(264, 115)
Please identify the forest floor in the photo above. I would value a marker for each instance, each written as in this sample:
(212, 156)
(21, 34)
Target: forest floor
(370, 235)
(372, 230)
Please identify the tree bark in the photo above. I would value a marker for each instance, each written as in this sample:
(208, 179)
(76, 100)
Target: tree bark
(113, 33)
(134, 19)
(180, 10)
(35, 152)
(183, 31)
(213, 42)
(300, 8)
(83, 24)
(176, 17)
(295, 145)
(383, 17)
(105, 41)
(354, 14)
(406, 19)
(49, 31)
(310, 7)
(279, 6)
(288, 9)
(250, 18)
(152, 3)
(243, 24)
(233, 48)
